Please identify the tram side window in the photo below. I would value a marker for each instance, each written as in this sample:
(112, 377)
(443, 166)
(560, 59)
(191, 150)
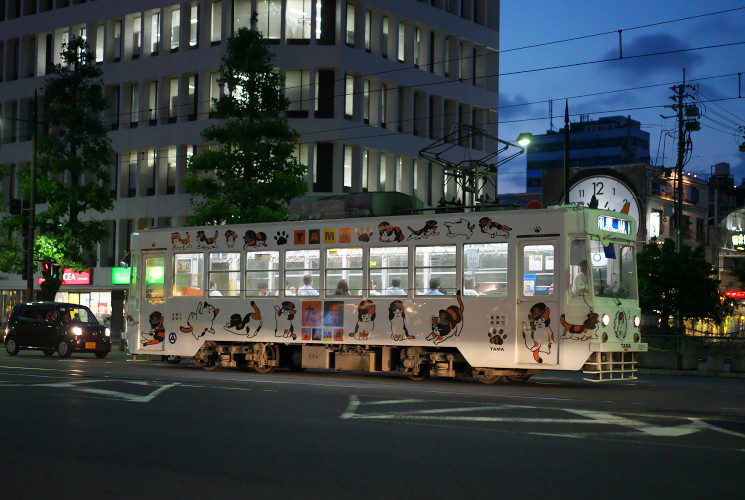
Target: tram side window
(302, 272)
(435, 270)
(155, 272)
(579, 269)
(538, 276)
(485, 269)
(262, 273)
(389, 269)
(188, 269)
(225, 274)
(343, 271)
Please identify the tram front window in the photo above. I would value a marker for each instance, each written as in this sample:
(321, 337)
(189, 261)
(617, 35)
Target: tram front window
(613, 270)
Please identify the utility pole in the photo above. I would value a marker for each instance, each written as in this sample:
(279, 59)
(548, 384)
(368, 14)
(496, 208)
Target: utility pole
(686, 115)
(565, 201)
(32, 205)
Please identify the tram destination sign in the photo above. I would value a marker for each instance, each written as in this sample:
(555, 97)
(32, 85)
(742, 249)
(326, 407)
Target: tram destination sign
(613, 224)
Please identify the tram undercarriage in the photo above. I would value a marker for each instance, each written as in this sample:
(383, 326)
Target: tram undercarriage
(417, 363)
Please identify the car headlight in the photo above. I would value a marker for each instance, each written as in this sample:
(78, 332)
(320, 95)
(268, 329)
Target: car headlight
(76, 330)
(605, 320)
(637, 321)
(108, 332)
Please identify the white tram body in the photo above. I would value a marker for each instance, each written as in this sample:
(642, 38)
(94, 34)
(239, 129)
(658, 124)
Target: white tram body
(519, 292)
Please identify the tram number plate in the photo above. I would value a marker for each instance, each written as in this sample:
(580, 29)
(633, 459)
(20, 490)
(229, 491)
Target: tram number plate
(90, 345)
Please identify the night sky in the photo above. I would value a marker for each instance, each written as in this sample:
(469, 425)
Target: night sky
(635, 86)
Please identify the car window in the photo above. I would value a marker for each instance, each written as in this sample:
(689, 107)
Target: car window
(77, 314)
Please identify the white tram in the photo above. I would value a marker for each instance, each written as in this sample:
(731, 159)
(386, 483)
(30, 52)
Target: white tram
(481, 294)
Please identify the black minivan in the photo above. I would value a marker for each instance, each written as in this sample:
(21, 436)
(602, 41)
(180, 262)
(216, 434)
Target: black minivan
(56, 326)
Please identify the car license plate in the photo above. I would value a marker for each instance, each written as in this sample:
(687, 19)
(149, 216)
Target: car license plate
(90, 345)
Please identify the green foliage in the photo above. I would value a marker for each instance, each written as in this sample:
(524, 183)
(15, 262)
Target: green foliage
(253, 173)
(669, 280)
(73, 159)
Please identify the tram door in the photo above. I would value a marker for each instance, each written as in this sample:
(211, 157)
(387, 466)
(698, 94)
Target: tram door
(537, 303)
(152, 313)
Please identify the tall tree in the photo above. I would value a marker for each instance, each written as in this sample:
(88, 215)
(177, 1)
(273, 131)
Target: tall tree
(73, 178)
(253, 173)
(685, 281)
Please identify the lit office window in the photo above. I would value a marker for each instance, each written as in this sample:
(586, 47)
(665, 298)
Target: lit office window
(349, 95)
(269, 18)
(298, 19)
(175, 27)
(194, 25)
(216, 25)
(350, 25)
(241, 14)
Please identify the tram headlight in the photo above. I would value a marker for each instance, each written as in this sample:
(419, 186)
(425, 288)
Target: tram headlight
(605, 320)
(108, 332)
(76, 330)
(637, 321)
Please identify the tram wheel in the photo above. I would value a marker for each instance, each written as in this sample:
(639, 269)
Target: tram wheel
(271, 354)
(423, 374)
(490, 380)
(520, 378)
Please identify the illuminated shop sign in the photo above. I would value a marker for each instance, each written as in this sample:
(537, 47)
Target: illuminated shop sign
(120, 275)
(70, 277)
(735, 294)
(613, 225)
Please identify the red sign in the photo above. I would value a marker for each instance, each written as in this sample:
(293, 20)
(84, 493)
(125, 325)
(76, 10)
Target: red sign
(70, 277)
(735, 294)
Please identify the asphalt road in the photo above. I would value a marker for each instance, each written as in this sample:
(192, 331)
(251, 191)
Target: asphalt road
(89, 428)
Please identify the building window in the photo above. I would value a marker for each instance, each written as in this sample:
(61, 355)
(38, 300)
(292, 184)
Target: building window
(134, 105)
(172, 100)
(297, 90)
(298, 19)
(171, 165)
(117, 41)
(99, 43)
(155, 33)
(349, 96)
(401, 42)
(214, 92)
(241, 14)
(270, 19)
(366, 101)
(191, 96)
(324, 94)
(368, 30)
(152, 102)
(326, 22)
(175, 28)
(194, 25)
(216, 22)
(349, 32)
(347, 169)
(365, 169)
(417, 46)
(136, 36)
(384, 38)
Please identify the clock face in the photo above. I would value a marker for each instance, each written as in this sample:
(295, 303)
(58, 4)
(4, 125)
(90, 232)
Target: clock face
(611, 194)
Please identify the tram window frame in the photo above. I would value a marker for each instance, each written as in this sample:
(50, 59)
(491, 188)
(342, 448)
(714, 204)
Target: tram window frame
(155, 285)
(578, 254)
(616, 256)
(293, 279)
(353, 274)
(383, 273)
(487, 281)
(188, 265)
(257, 276)
(546, 286)
(227, 281)
(423, 274)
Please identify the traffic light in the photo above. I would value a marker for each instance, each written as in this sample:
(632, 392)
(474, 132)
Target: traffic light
(46, 270)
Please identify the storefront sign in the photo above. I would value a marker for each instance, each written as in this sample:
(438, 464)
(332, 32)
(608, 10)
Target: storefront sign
(70, 277)
(120, 275)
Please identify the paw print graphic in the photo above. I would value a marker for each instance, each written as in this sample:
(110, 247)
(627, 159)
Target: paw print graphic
(537, 229)
(364, 234)
(497, 337)
(281, 237)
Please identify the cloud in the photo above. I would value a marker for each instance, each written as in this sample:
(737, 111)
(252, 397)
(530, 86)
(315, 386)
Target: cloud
(633, 68)
(511, 108)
